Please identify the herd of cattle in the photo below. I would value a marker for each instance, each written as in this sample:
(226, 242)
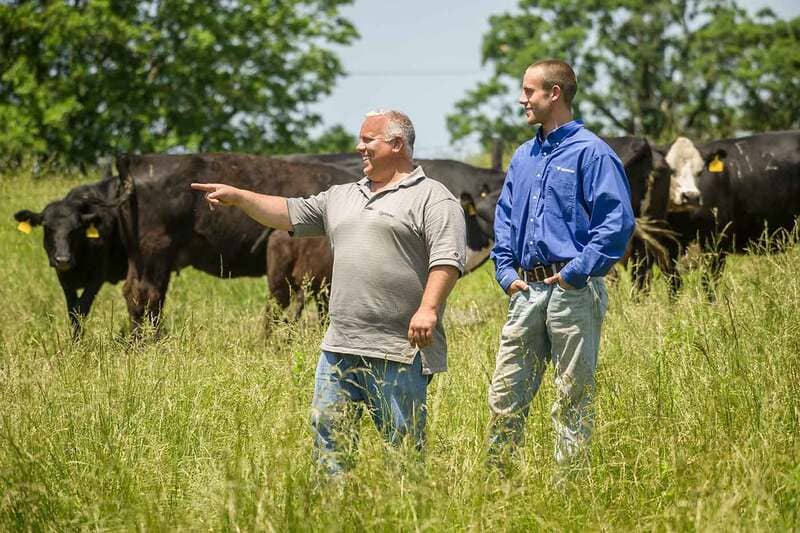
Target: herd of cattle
(145, 222)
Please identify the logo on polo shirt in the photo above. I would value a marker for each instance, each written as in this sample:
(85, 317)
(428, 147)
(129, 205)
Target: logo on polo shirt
(563, 169)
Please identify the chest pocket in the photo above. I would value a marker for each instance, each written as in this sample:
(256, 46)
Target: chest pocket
(560, 188)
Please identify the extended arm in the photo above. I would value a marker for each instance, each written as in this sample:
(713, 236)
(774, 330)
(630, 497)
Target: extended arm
(268, 210)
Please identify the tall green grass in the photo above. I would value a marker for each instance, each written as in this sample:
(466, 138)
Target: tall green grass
(207, 428)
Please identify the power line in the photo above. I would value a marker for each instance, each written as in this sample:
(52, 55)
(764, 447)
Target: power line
(416, 72)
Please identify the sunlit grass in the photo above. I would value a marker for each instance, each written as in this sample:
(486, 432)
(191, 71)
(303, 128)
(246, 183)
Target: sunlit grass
(207, 428)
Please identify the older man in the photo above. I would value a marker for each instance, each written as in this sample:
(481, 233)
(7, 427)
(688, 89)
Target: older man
(399, 246)
(563, 218)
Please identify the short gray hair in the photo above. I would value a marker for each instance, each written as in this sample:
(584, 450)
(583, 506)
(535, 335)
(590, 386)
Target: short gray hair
(399, 126)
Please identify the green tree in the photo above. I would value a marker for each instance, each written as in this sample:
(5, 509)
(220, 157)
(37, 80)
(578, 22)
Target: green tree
(658, 68)
(86, 78)
(332, 140)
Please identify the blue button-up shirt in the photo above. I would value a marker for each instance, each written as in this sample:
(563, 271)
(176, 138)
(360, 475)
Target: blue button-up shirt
(565, 198)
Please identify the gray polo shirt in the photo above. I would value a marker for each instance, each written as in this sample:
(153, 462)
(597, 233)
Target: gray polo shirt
(383, 246)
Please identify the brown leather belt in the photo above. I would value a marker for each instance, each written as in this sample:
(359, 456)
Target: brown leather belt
(540, 272)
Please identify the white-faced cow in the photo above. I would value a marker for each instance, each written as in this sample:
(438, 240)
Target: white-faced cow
(744, 186)
(83, 243)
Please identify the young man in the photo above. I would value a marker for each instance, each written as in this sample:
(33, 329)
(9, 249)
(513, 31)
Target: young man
(400, 246)
(563, 218)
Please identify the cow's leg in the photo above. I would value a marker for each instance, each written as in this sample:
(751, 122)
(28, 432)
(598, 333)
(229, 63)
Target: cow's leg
(298, 303)
(675, 283)
(641, 268)
(323, 301)
(71, 297)
(670, 269)
(279, 289)
(145, 292)
(83, 305)
(713, 273)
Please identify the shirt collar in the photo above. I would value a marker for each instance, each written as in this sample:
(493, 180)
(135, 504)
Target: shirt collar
(555, 137)
(416, 175)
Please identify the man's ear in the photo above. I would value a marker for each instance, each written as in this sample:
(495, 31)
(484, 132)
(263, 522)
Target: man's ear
(556, 93)
(397, 144)
(34, 219)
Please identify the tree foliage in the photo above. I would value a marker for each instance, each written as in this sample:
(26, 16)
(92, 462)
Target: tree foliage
(657, 68)
(86, 78)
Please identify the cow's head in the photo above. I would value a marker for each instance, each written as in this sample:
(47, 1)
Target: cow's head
(71, 229)
(477, 238)
(480, 226)
(687, 164)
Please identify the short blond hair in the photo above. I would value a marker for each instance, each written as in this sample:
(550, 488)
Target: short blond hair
(557, 72)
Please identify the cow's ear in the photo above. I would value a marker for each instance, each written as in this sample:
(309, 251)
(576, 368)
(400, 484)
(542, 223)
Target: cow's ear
(90, 217)
(34, 219)
(715, 161)
(719, 154)
(468, 204)
(91, 220)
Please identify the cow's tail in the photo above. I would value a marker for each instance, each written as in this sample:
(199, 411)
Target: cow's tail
(261, 240)
(652, 234)
(128, 204)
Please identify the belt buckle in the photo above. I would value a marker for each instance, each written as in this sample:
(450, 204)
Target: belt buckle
(540, 270)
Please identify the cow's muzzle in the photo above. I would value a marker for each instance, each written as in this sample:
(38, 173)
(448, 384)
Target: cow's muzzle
(691, 198)
(62, 263)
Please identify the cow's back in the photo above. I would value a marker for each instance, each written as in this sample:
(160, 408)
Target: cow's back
(637, 158)
(761, 171)
(176, 226)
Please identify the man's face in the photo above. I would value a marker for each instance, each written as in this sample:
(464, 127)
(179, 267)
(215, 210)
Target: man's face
(535, 99)
(376, 150)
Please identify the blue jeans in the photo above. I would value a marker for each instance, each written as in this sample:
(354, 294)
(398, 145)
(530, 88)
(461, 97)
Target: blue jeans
(545, 324)
(393, 393)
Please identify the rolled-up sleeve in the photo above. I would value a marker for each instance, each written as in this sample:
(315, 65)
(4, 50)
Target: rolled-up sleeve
(307, 215)
(611, 220)
(446, 234)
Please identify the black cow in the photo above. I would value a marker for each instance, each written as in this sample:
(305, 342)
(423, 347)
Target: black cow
(83, 243)
(744, 186)
(167, 226)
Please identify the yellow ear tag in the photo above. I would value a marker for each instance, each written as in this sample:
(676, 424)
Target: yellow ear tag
(25, 227)
(716, 165)
(471, 210)
(92, 233)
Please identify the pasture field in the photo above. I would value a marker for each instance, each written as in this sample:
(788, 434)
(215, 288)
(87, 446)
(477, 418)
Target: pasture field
(207, 427)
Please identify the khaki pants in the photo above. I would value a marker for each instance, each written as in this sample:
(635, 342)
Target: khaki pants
(548, 323)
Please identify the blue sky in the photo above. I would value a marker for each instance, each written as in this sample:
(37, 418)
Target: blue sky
(421, 57)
